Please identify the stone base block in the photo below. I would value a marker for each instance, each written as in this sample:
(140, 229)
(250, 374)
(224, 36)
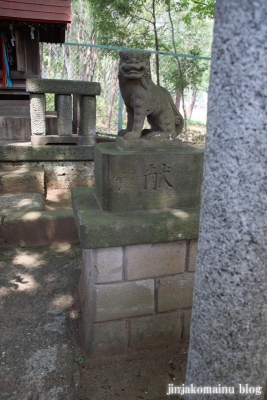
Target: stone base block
(143, 179)
(101, 229)
(120, 315)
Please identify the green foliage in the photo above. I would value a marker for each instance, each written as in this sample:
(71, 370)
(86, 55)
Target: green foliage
(201, 9)
(193, 122)
(79, 360)
(192, 72)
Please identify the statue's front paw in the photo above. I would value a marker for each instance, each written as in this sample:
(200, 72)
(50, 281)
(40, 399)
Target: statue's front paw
(132, 135)
(122, 132)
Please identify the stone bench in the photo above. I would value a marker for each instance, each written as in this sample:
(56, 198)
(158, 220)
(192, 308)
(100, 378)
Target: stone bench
(83, 110)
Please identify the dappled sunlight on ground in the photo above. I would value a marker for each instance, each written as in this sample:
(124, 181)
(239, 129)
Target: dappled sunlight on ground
(24, 282)
(61, 247)
(28, 260)
(62, 302)
(35, 300)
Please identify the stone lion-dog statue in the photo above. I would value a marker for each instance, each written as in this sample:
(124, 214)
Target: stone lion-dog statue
(145, 99)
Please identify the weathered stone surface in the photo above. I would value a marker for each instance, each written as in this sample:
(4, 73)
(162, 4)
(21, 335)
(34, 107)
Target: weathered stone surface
(122, 300)
(229, 319)
(37, 111)
(155, 330)
(105, 265)
(145, 99)
(39, 228)
(138, 180)
(88, 118)
(192, 255)
(66, 175)
(22, 180)
(109, 264)
(64, 115)
(6, 152)
(60, 86)
(152, 260)
(175, 292)
(143, 144)
(187, 315)
(49, 153)
(101, 229)
(106, 337)
(21, 202)
(15, 127)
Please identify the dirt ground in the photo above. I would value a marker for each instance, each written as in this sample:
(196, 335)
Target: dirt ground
(41, 354)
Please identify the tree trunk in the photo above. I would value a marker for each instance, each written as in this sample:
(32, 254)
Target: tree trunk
(156, 39)
(113, 90)
(191, 105)
(229, 320)
(178, 96)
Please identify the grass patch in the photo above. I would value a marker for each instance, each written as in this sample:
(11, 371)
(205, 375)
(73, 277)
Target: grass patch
(193, 122)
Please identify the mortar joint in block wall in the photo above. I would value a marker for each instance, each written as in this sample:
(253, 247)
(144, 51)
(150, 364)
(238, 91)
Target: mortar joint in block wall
(148, 310)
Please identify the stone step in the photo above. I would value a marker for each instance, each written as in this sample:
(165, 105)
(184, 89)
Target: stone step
(22, 180)
(38, 228)
(17, 126)
(21, 202)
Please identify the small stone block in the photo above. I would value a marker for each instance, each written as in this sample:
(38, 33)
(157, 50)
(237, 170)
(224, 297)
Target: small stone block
(152, 260)
(192, 255)
(107, 263)
(151, 179)
(175, 292)
(155, 330)
(106, 337)
(122, 300)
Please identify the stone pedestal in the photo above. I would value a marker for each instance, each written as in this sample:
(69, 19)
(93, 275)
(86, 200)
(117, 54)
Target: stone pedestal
(138, 259)
(147, 178)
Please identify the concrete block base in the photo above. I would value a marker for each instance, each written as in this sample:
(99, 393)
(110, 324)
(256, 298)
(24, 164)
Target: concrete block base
(123, 313)
(136, 283)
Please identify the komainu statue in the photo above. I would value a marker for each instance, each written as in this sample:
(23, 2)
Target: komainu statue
(145, 99)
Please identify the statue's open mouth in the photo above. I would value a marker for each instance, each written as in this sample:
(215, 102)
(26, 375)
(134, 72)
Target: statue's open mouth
(132, 69)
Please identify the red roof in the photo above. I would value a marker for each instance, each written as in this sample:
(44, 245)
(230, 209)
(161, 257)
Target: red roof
(52, 11)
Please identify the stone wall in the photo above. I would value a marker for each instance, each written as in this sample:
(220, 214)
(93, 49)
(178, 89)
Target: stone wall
(136, 296)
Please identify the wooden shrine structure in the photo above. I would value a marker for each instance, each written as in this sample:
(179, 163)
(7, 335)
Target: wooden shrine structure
(23, 24)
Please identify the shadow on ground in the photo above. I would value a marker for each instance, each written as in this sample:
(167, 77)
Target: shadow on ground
(40, 349)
